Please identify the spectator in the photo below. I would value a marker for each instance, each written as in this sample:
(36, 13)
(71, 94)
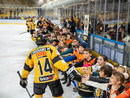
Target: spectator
(78, 23)
(68, 40)
(72, 25)
(39, 23)
(127, 47)
(70, 50)
(86, 91)
(64, 23)
(55, 42)
(53, 36)
(121, 34)
(68, 31)
(63, 37)
(58, 36)
(64, 30)
(102, 60)
(61, 46)
(104, 74)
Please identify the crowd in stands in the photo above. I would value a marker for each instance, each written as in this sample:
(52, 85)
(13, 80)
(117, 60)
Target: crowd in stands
(95, 25)
(100, 78)
(110, 29)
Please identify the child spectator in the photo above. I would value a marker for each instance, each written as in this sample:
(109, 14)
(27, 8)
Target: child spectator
(53, 36)
(89, 58)
(83, 90)
(77, 54)
(124, 70)
(56, 28)
(70, 50)
(49, 37)
(48, 42)
(104, 74)
(61, 46)
(102, 60)
(76, 57)
(68, 31)
(59, 37)
(115, 86)
(55, 42)
(116, 67)
(64, 37)
(64, 30)
(44, 31)
(68, 40)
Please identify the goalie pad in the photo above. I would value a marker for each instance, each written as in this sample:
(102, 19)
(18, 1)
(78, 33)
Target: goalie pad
(73, 74)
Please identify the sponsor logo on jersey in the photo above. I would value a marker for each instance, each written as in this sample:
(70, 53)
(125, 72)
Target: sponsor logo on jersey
(41, 57)
(46, 78)
(41, 54)
(40, 50)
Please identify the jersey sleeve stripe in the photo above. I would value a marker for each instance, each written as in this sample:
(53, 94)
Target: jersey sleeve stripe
(26, 67)
(30, 56)
(51, 51)
(56, 59)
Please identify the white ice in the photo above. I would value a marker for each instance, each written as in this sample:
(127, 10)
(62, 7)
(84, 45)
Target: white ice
(14, 47)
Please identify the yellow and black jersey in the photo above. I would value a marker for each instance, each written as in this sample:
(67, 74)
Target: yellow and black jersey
(42, 18)
(31, 26)
(34, 20)
(45, 60)
(28, 21)
(83, 89)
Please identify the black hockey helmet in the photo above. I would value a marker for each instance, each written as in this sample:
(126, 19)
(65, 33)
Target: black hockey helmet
(41, 40)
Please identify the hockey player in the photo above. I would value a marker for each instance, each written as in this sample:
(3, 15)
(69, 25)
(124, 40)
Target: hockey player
(39, 24)
(31, 26)
(27, 23)
(45, 60)
(33, 18)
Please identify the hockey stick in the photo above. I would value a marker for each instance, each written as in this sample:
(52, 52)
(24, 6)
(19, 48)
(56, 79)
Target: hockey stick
(22, 32)
(25, 87)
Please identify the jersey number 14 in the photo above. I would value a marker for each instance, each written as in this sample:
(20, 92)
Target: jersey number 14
(47, 66)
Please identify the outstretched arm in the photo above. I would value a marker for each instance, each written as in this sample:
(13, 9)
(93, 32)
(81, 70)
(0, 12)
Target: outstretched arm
(70, 58)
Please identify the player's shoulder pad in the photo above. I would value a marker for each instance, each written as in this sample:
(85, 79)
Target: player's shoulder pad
(31, 53)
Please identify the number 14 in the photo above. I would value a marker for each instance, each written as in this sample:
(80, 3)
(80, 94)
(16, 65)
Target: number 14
(47, 66)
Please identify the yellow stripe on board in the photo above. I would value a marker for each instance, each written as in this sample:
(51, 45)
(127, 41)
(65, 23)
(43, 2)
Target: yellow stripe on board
(97, 55)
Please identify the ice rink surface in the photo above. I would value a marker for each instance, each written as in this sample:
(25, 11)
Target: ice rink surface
(15, 44)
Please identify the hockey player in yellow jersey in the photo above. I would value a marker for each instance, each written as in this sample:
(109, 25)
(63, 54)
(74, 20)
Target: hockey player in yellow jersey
(45, 60)
(27, 23)
(33, 18)
(42, 19)
(31, 26)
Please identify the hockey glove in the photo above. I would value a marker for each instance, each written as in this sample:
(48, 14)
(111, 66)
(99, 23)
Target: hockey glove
(73, 74)
(23, 82)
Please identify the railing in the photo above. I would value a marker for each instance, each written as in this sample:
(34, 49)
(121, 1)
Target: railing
(115, 51)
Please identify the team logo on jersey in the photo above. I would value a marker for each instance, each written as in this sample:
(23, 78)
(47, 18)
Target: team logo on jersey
(41, 54)
(46, 78)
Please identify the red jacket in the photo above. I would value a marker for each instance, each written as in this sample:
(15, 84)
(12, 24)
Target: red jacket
(126, 94)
